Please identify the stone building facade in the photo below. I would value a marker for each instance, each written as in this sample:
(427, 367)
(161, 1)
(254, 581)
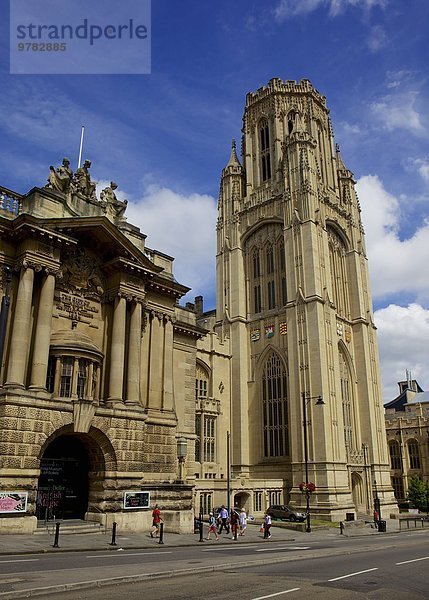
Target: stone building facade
(98, 362)
(407, 428)
(293, 322)
(110, 390)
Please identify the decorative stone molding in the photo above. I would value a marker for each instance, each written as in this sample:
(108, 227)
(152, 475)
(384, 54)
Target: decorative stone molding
(83, 414)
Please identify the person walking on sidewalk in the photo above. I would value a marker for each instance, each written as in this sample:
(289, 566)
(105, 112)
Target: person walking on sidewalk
(223, 518)
(267, 526)
(243, 521)
(156, 522)
(212, 527)
(234, 520)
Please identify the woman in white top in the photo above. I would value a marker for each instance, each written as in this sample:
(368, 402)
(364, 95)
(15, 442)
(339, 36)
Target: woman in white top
(243, 521)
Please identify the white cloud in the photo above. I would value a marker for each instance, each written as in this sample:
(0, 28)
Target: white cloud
(377, 38)
(287, 9)
(183, 226)
(398, 111)
(422, 167)
(403, 334)
(396, 266)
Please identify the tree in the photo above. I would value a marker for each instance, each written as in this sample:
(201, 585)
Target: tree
(418, 493)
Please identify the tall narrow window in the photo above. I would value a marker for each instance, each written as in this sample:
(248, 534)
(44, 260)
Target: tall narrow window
(264, 137)
(274, 408)
(271, 295)
(256, 265)
(414, 454)
(205, 419)
(66, 376)
(346, 397)
(337, 257)
(395, 456)
(257, 299)
(209, 438)
(82, 377)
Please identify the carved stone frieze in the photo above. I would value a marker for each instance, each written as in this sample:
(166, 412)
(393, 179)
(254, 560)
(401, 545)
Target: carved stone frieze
(81, 274)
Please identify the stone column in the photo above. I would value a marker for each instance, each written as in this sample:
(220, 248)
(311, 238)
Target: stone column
(89, 388)
(117, 351)
(167, 394)
(20, 339)
(134, 345)
(156, 362)
(145, 362)
(39, 365)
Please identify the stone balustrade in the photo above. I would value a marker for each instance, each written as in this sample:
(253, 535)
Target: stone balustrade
(10, 201)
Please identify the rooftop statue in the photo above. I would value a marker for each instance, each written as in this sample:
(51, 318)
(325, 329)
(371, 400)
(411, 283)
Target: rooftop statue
(81, 182)
(59, 179)
(113, 207)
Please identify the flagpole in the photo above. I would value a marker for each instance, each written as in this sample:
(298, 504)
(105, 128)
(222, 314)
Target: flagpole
(81, 146)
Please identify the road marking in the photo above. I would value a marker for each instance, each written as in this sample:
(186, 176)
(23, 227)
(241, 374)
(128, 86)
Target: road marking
(405, 562)
(19, 560)
(285, 548)
(236, 547)
(277, 594)
(124, 555)
(353, 574)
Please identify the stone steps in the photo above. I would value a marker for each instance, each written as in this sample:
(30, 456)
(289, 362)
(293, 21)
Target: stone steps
(69, 527)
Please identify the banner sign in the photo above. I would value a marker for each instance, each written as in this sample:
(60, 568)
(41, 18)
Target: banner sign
(136, 500)
(13, 502)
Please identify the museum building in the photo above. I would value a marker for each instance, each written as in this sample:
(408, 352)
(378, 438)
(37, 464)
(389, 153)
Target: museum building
(114, 397)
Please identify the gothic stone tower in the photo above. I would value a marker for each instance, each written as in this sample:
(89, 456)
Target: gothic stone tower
(293, 297)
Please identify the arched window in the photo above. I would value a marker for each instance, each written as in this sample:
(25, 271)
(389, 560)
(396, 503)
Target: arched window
(264, 140)
(395, 456)
(205, 418)
(274, 408)
(414, 454)
(347, 404)
(337, 259)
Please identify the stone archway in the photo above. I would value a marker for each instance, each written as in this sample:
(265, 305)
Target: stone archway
(358, 493)
(72, 473)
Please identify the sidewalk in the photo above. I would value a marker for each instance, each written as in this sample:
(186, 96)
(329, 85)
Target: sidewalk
(76, 542)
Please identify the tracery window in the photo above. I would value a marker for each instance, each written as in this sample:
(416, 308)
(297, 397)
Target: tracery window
(347, 405)
(275, 408)
(205, 419)
(395, 456)
(398, 488)
(264, 140)
(414, 454)
(266, 269)
(337, 259)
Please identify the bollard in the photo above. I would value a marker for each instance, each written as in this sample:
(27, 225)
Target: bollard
(341, 527)
(161, 533)
(113, 542)
(201, 528)
(57, 535)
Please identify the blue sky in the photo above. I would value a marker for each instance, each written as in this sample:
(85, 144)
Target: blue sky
(165, 137)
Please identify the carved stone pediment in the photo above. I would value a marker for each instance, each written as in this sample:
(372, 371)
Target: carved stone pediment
(82, 275)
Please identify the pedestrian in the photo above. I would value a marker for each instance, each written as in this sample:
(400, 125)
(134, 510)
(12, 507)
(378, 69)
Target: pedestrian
(243, 521)
(223, 519)
(376, 518)
(234, 520)
(156, 522)
(267, 526)
(212, 527)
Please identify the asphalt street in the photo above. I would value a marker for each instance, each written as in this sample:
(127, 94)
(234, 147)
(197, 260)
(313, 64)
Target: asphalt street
(389, 569)
(285, 555)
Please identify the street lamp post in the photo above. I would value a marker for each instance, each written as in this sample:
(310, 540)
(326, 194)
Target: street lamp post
(305, 401)
(182, 450)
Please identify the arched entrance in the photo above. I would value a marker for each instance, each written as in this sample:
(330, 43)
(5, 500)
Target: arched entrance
(72, 467)
(358, 493)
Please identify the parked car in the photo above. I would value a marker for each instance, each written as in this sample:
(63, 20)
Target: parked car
(285, 512)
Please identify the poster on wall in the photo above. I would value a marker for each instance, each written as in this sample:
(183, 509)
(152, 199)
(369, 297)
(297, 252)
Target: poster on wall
(136, 499)
(13, 502)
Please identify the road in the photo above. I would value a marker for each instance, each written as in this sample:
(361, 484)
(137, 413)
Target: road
(389, 567)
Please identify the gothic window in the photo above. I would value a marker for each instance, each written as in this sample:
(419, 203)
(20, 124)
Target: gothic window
(264, 139)
(257, 299)
(398, 488)
(205, 419)
(346, 398)
(256, 265)
(274, 408)
(270, 260)
(337, 259)
(395, 456)
(414, 454)
(271, 295)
